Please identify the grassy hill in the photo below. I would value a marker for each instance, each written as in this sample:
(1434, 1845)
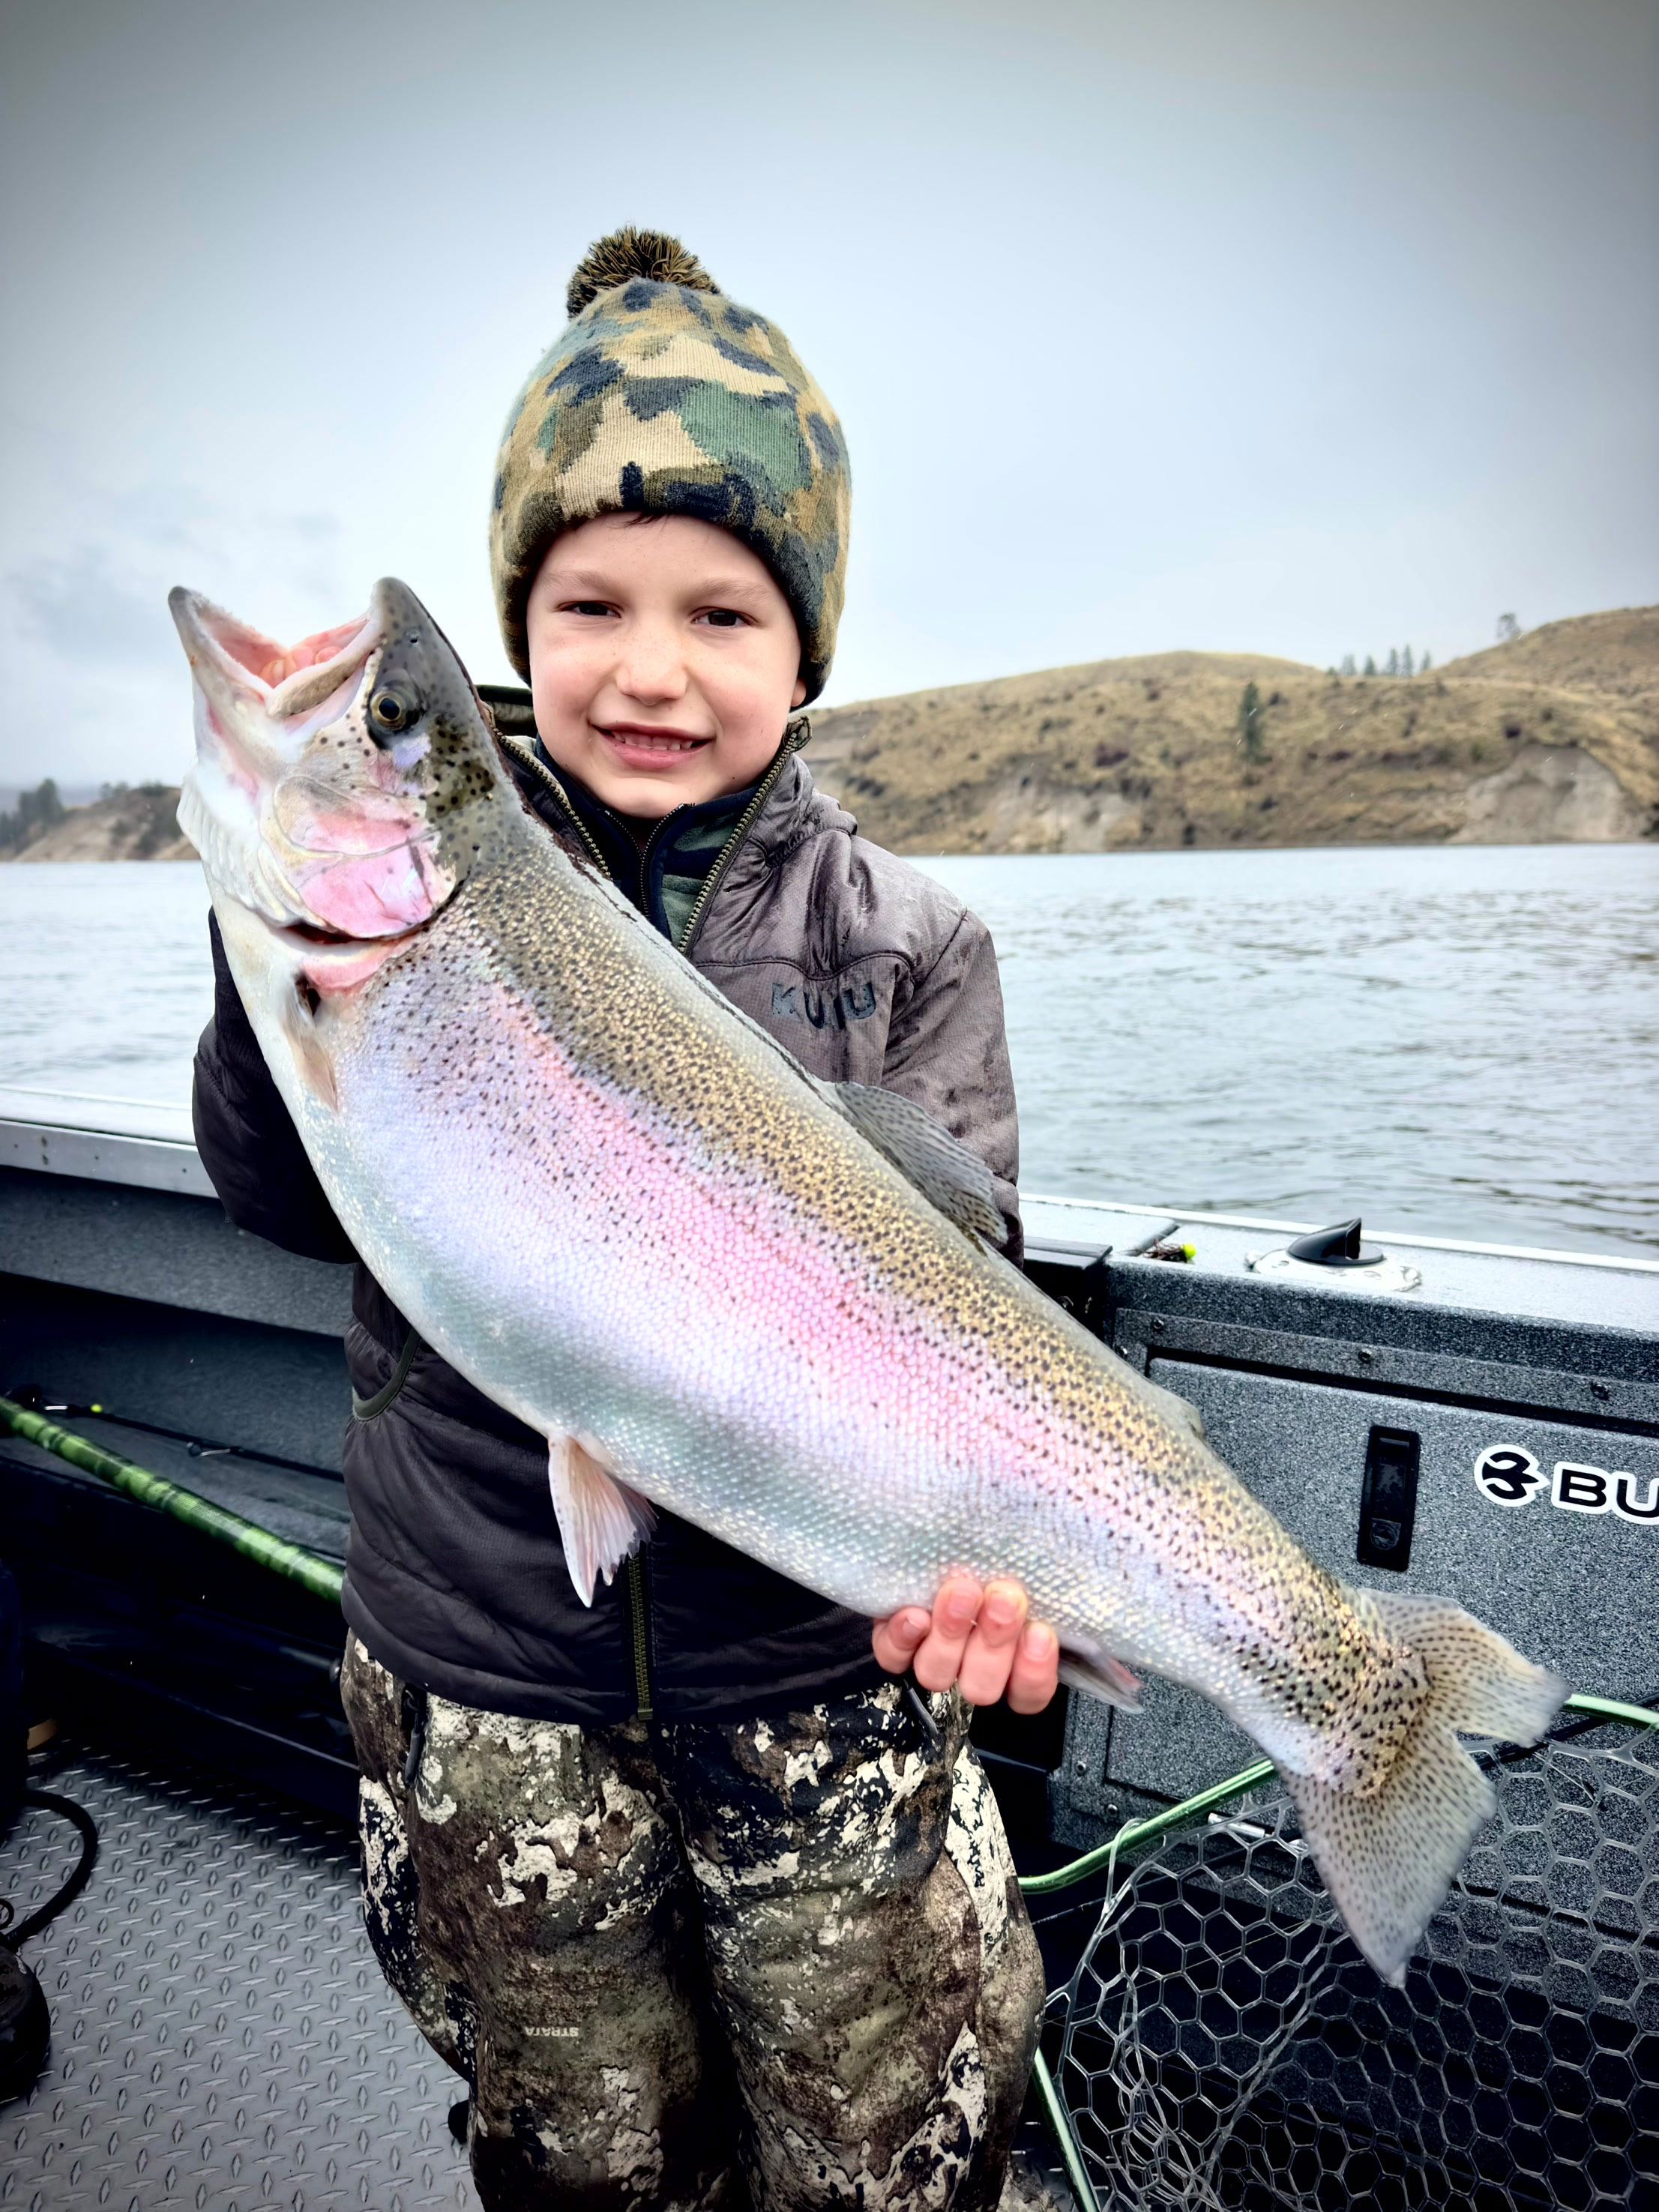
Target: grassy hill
(1616, 653)
(1553, 736)
(134, 824)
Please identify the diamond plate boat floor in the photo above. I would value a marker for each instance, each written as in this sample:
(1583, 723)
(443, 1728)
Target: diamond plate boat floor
(223, 2038)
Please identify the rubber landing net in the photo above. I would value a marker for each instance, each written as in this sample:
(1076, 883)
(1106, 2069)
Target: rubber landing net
(1221, 2043)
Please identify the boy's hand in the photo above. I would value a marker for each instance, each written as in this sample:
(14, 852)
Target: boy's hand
(978, 1636)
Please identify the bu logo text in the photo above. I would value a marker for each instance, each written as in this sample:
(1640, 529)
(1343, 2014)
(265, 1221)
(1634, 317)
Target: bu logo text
(1508, 1474)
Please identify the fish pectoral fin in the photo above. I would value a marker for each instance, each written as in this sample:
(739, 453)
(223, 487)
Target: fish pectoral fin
(601, 1521)
(311, 1062)
(1101, 1676)
(926, 1154)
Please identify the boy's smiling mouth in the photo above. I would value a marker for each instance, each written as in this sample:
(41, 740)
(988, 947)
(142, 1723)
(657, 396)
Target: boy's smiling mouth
(645, 741)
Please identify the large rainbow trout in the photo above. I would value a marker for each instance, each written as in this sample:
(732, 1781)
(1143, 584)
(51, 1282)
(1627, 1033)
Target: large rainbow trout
(767, 1303)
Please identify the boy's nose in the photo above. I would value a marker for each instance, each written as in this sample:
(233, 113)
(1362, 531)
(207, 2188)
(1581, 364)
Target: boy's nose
(650, 667)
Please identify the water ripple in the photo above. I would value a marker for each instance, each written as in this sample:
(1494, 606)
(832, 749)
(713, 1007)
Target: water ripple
(1463, 1041)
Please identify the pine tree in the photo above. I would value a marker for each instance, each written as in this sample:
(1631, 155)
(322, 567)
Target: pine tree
(1347, 664)
(41, 807)
(1406, 662)
(1507, 628)
(1393, 668)
(1370, 669)
(1251, 719)
(1424, 665)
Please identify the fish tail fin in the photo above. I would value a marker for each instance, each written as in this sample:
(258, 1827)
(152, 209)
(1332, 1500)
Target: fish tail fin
(1388, 1855)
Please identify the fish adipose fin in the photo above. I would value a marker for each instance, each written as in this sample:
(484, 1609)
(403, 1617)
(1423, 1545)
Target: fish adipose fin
(1389, 1855)
(601, 1521)
(1107, 1679)
(945, 1172)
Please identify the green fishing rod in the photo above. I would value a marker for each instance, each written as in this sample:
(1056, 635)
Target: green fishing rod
(321, 1576)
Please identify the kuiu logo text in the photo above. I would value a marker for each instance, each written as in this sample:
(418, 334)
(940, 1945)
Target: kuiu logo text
(799, 1002)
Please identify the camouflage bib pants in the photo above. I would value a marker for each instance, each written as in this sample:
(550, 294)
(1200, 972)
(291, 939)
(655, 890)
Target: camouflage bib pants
(778, 1963)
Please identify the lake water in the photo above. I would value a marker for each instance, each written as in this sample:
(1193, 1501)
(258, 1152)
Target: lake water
(1462, 1041)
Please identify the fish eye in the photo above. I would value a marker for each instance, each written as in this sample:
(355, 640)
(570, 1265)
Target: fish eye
(393, 708)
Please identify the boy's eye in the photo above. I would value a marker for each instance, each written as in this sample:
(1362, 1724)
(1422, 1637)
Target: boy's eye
(724, 617)
(585, 607)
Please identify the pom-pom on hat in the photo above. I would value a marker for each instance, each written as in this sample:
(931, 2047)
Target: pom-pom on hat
(663, 397)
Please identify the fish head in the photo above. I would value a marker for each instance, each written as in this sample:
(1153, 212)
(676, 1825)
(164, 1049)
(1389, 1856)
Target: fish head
(338, 783)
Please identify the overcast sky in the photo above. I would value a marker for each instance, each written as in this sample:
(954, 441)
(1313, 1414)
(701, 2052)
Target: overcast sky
(1296, 326)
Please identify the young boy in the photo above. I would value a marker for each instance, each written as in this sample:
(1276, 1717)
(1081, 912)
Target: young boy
(706, 1909)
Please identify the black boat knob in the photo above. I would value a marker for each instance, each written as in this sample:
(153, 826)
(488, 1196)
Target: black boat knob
(1339, 1247)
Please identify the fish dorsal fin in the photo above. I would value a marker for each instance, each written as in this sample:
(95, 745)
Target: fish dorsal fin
(944, 1172)
(601, 1521)
(1181, 1410)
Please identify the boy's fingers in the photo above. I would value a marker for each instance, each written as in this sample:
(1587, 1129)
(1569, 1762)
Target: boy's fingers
(896, 1638)
(976, 1637)
(938, 1657)
(983, 1675)
(1035, 1675)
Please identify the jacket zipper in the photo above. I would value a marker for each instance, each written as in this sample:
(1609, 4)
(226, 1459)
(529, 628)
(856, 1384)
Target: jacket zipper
(639, 1600)
(645, 853)
(794, 739)
(639, 1611)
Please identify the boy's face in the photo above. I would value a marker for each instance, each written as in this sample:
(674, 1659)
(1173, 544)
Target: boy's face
(664, 660)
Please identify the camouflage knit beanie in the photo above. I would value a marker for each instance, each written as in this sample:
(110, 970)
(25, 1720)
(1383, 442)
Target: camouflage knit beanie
(663, 397)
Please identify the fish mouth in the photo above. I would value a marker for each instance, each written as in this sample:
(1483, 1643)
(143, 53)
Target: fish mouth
(331, 963)
(307, 837)
(238, 665)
